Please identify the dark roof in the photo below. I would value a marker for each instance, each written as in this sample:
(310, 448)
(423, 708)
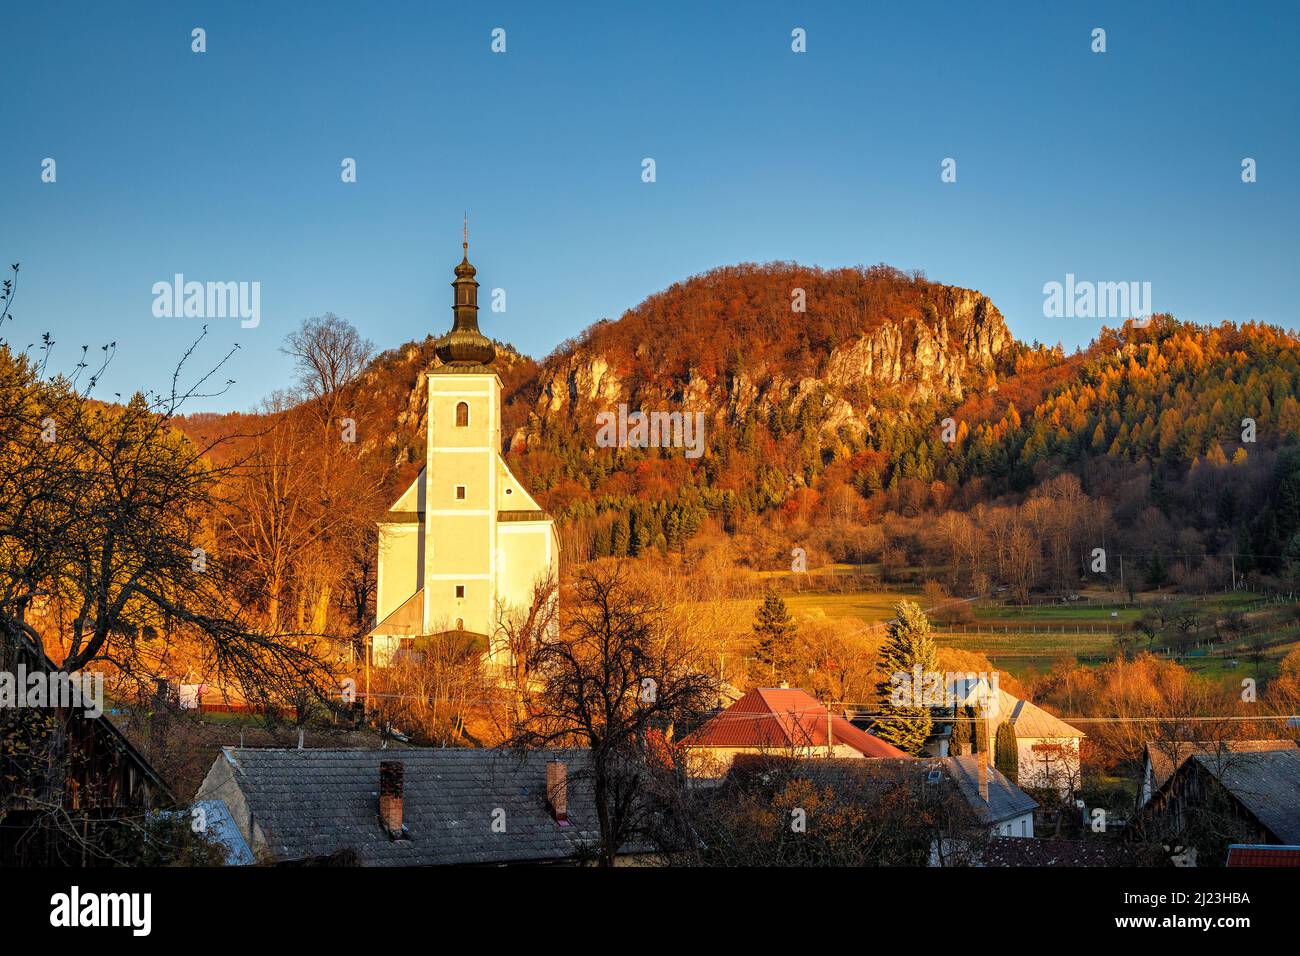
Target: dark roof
(314, 803)
(1033, 851)
(1167, 756)
(1006, 801)
(780, 718)
(1243, 854)
(1266, 783)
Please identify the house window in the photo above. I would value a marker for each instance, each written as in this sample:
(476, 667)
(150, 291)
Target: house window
(460, 492)
(462, 414)
(460, 590)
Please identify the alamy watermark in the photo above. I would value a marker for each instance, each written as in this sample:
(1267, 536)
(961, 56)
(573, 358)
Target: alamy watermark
(651, 430)
(1073, 299)
(41, 689)
(921, 688)
(133, 911)
(208, 300)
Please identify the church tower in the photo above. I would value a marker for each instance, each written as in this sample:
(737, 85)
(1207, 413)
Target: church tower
(465, 538)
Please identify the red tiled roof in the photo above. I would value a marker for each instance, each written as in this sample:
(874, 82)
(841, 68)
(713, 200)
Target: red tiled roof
(1260, 855)
(779, 719)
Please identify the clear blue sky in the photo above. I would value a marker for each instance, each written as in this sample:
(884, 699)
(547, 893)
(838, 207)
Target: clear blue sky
(225, 165)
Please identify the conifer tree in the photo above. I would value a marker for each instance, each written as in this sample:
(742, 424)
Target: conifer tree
(908, 648)
(622, 537)
(981, 734)
(1006, 755)
(774, 631)
(962, 732)
(601, 544)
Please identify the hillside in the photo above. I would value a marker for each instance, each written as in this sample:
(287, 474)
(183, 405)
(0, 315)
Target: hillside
(843, 405)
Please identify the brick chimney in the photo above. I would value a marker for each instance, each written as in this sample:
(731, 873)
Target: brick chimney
(392, 782)
(557, 791)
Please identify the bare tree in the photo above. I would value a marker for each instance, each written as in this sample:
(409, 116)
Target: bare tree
(521, 633)
(617, 681)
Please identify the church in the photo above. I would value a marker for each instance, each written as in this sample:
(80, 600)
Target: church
(465, 539)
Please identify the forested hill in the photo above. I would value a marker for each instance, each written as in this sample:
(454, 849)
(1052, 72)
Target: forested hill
(793, 368)
(833, 391)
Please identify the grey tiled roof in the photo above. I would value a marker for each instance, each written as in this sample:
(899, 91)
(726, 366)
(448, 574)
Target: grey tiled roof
(1006, 800)
(312, 803)
(1267, 784)
(1166, 756)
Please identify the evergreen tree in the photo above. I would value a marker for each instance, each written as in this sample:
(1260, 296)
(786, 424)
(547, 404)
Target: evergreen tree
(602, 544)
(622, 537)
(774, 631)
(981, 734)
(642, 533)
(962, 732)
(673, 530)
(1006, 754)
(908, 647)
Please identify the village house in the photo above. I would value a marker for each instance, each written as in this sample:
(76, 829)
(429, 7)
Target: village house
(1213, 799)
(97, 780)
(997, 802)
(1047, 747)
(416, 807)
(465, 541)
(777, 720)
(1160, 758)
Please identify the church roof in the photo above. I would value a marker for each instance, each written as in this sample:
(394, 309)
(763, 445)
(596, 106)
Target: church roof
(406, 620)
(465, 348)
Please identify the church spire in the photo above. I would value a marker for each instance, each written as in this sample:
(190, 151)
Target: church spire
(465, 346)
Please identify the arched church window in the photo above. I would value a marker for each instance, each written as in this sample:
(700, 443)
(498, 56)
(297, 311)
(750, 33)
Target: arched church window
(462, 414)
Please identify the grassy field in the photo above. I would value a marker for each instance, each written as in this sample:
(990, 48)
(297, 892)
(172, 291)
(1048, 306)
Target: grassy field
(868, 606)
(1020, 639)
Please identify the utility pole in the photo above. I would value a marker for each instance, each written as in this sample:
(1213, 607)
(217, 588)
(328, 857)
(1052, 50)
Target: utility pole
(830, 736)
(365, 707)
(1233, 558)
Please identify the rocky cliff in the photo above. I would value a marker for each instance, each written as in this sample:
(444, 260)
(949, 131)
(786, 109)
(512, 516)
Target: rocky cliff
(933, 345)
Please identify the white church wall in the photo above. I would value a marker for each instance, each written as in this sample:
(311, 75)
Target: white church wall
(400, 566)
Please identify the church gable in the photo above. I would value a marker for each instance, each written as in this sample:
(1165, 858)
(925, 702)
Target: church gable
(513, 495)
(412, 499)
